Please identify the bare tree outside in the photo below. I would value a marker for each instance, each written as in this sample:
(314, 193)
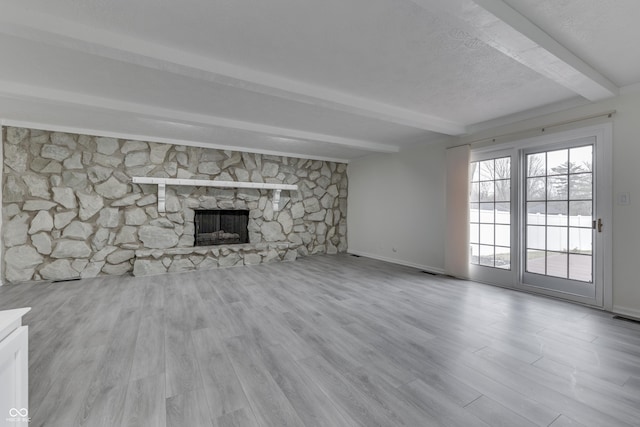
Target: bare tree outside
(494, 180)
(570, 180)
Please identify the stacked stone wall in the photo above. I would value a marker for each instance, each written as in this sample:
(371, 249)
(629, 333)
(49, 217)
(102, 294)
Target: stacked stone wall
(71, 210)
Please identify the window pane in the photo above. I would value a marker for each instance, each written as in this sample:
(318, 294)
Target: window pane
(536, 164)
(557, 264)
(536, 237)
(580, 186)
(475, 254)
(474, 212)
(558, 187)
(559, 209)
(580, 268)
(486, 170)
(503, 190)
(475, 172)
(581, 159)
(536, 213)
(503, 257)
(557, 239)
(580, 240)
(503, 168)
(580, 214)
(547, 223)
(503, 235)
(486, 234)
(486, 191)
(474, 194)
(557, 162)
(474, 233)
(503, 213)
(557, 213)
(536, 262)
(486, 213)
(490, 181)
(486, 255)
(536, 188)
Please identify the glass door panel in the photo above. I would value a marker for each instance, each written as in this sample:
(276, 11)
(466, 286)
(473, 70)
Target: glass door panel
(490, 213)
(558, 219)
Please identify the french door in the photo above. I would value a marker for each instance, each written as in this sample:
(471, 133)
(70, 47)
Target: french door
(559, 219)
(539, 216)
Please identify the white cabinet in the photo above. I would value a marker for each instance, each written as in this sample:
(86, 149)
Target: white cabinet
(14, 377)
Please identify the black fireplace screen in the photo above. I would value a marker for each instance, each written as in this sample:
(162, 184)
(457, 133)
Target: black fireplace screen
(221, 227)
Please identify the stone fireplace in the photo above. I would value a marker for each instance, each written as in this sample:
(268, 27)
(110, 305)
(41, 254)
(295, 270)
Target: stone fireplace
(70, 208)
(221, 227)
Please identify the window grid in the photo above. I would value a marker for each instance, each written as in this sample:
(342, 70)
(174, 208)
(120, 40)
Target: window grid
(543, 181)
(490, 213)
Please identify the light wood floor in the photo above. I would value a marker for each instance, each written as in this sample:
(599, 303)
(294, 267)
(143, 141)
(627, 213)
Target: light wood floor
(324, 341)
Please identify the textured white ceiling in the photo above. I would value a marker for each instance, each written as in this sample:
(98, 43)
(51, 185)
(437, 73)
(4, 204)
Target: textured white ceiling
(336, 78)
(604, 33)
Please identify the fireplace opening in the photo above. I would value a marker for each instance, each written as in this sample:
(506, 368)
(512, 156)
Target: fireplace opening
(221, 227)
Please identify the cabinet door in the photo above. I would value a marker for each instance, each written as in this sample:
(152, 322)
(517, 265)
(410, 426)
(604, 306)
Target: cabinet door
(14, 393)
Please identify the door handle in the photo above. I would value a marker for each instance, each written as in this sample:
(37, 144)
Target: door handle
(598, 224)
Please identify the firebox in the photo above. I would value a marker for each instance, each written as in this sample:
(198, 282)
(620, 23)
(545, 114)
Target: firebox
(221, 227)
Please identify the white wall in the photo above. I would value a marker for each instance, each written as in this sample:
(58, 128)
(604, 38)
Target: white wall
(398, 201)
(414, 179)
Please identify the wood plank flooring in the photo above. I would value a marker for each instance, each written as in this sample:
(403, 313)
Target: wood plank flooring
(323, 341)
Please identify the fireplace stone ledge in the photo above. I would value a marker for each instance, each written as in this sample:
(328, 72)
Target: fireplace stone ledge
(154, 261)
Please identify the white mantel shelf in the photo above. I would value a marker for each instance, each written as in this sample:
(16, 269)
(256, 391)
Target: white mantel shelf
(163, 182)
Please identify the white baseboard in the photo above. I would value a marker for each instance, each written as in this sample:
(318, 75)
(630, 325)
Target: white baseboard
(624, 311)
(397, 261)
